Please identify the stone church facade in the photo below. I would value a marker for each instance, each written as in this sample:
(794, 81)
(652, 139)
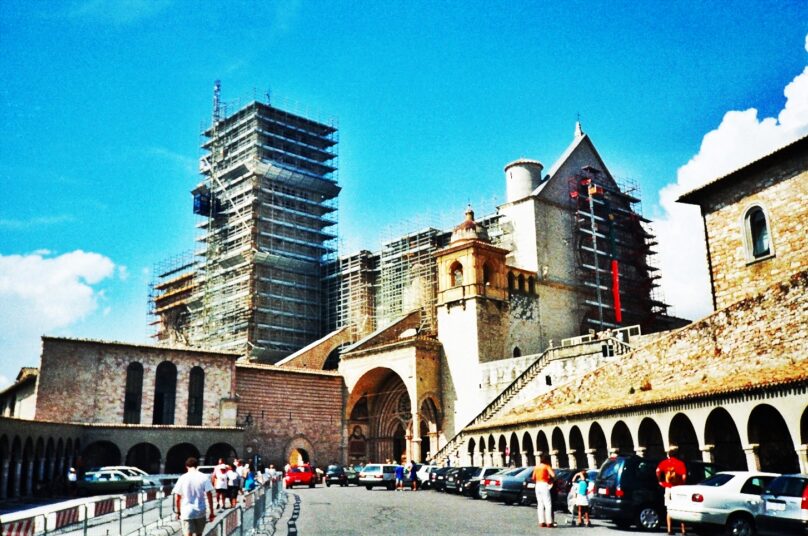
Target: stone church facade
(509, 366)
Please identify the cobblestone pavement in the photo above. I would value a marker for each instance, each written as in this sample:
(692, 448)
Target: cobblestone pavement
(357, 511)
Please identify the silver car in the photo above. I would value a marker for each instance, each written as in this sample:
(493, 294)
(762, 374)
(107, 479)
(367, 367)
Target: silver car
(728, 499)
(785, 507)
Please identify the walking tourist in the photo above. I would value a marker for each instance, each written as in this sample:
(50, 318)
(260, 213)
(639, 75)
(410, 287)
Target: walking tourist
(233, 486)
(543, 475)
(671, 473)
(190, 493)
(220, 482)
(399, 477)
(413, 476)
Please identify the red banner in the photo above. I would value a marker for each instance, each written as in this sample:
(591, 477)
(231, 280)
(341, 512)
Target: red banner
(618, 313)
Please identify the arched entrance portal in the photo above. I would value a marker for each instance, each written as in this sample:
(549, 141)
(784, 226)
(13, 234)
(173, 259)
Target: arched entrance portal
(380, 412)
(101, 453)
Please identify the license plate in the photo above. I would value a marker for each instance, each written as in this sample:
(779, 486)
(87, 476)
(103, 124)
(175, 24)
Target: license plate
(531, 485)
(775, 506)
(603, 491)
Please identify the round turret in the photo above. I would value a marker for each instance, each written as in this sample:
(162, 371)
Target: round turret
(521, 178)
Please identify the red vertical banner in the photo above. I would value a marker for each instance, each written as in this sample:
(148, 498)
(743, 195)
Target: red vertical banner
(618, 313)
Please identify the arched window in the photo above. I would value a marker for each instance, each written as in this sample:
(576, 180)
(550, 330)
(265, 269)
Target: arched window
(165, 392)
(531, 285)
(511, 282)
(486, 274)
(521, 283)
(134, 393)
(757, 233)
(517, 352)
(457, 274)
(196, 388)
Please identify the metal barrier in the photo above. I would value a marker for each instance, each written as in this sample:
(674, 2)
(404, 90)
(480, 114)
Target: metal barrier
(245, 518)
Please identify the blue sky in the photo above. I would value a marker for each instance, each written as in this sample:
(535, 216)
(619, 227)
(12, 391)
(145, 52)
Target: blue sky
(102, 102)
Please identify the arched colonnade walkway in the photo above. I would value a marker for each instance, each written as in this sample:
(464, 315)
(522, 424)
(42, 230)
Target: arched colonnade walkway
(761, 432)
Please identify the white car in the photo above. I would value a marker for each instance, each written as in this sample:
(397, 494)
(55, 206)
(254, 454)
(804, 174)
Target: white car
(423, 474)
(126, 469)
(728, 499)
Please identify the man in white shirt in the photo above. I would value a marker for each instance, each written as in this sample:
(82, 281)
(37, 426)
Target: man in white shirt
(220, 482)
(190, 492)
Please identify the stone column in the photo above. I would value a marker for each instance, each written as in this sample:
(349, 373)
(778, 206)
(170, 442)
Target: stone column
(802, 454)
(415, 441)
(4, 480)
(41, 470)
(639, 451)
(29, 477)
(492, 455)
(752, 458)
(162, 467)
(525, 461)
(17, 475)
(708, 453)
(614, 451)
(416, 450)
(590, 457)
(554, 458)
(52, 469)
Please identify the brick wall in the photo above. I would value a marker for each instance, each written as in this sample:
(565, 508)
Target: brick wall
(85, 381)
(284, 405)
(782, 192)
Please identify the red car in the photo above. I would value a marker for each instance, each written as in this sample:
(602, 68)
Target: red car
(300, 474)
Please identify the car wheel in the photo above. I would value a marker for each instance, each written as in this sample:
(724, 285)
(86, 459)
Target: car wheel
(648, 518)
(328, 484)
(391, 486)
(740, 525)
(368, 488)
(312, 484)
(289, 485)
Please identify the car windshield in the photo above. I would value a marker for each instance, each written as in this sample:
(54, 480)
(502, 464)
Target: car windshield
(372, 469)
(717, 480)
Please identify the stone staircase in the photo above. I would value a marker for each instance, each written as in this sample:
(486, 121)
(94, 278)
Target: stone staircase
(503, 400)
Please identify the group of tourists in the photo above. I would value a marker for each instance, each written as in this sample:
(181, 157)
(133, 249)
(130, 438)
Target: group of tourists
(227, 481)
(406, 469)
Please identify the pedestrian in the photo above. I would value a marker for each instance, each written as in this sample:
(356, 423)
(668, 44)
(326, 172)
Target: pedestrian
(190, 493)
(671, 473)
(72, 481)
(220, 482)
(233, 485)
(399, 477)
(414, 476)
(583, 488)
(249, 480)
(544, 475)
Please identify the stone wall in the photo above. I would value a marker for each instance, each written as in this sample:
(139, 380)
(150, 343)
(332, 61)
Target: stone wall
(291, 408)
(782, 192)
(85, 380)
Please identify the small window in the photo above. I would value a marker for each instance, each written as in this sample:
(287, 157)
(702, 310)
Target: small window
(457, 274)
(517, 352)
(531, 285)
(511, 282)
(757, 232)
(133, 394)
(486, 274)
(548, 380)
(521, 283)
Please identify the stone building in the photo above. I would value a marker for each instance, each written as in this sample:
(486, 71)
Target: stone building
(729, 388)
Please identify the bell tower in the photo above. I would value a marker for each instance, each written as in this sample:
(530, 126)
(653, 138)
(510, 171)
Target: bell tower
(472, 312)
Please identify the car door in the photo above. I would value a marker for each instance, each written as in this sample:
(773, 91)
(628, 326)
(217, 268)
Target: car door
(749, 498)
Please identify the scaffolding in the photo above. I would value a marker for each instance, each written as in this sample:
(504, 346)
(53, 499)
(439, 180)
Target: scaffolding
(267, 202)
(614, 244)
(174, 282)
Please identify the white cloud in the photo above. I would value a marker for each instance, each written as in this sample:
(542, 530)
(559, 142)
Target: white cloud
(741, 138)
(40, 293)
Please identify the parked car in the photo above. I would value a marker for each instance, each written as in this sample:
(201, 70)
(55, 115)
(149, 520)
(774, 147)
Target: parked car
(378, 474)
(439, 478)
(496, 480)
(126, 469)
(627, 490)
(558, 493)
(352, 474)
(456, 479)
(302, 475)
(507, 487)
(108, 481)
(423, 475)
(785, 506)
(729, 499)
(472, 486)
(336, 474)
